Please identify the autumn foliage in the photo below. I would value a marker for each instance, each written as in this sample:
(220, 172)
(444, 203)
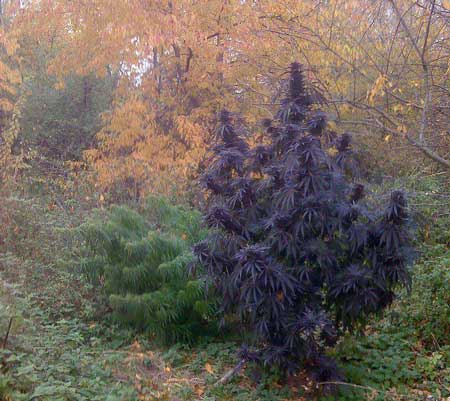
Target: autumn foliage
(105, 104)
(173, 64)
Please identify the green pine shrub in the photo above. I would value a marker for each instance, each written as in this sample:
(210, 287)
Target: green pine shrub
(186, 223)
(140, 261)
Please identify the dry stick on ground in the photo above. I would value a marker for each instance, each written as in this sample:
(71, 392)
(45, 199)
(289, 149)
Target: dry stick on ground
(231, 373)
(367, 388)
(5, 340)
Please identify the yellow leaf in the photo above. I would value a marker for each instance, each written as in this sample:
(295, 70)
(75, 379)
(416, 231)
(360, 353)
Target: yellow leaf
(332, 151)
(209, 368)
(199, 390)
(332, 125)
(377, 88)
(398, 108)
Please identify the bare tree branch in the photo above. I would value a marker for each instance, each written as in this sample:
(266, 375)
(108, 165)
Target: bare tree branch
(421, 144)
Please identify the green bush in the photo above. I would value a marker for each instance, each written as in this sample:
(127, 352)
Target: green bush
(429, 307)
(37, 229)
(140, 261)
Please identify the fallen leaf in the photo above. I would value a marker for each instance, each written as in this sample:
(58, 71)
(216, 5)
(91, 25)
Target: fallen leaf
(199, 390)
(209, 368)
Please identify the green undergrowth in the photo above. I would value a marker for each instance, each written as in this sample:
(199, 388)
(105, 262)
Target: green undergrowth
(406, 355)
(61, 347)
(53, 352)
(72, 358)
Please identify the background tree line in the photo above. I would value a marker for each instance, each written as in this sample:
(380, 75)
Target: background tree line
(130, 88)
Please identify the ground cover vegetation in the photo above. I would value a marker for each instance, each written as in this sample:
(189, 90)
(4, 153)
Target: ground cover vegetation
(64, 334)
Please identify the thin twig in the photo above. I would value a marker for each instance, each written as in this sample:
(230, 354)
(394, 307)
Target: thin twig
(231, 373)
(337, 383)
(367, 388)
(5, 340)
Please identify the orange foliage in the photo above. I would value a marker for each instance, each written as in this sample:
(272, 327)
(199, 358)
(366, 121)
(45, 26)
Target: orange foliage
(174, 60)
(180, 61)
(11, 161)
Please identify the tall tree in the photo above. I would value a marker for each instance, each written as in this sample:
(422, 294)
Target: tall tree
(174, 74)
(385, 62)
(180, 61)
(10, 80)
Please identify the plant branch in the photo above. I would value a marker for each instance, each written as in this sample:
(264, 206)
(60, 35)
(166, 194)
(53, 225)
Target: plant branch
(5, 340)
(231, 373)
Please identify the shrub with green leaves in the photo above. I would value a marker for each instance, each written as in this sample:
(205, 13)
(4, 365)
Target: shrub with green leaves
(428, 307)
(140, 261)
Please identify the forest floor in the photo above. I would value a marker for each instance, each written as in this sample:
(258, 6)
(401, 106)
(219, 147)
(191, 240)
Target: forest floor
(59, 350)
(62, 346)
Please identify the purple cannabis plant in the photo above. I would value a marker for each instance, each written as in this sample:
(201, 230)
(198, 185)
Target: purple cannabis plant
(295, 251)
